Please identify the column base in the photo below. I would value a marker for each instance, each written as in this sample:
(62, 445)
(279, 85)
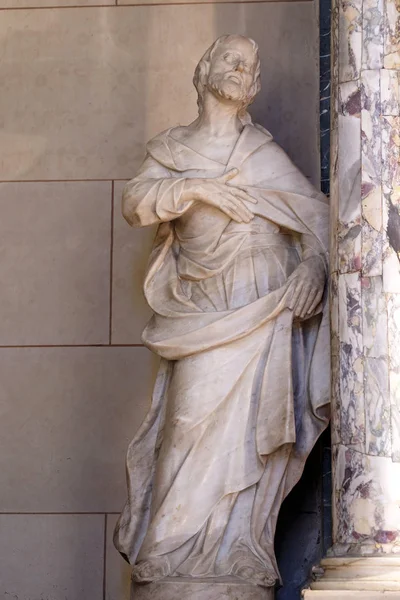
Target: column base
(175, 588)
(367, 578)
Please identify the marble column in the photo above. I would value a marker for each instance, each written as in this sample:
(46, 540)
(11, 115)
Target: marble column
(364, 561)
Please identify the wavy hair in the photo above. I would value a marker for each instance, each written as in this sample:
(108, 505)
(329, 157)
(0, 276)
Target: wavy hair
(203, 68)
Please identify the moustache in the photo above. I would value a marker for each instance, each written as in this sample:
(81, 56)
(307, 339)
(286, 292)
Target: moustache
(234, 76)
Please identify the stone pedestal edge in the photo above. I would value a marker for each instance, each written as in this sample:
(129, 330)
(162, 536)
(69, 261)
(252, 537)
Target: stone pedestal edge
(347, 595)
(200, 590)
(369, 578)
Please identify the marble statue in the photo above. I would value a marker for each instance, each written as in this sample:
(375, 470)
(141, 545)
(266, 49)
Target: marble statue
(237, 284)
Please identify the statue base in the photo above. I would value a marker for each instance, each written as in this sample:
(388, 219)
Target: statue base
(177, 588)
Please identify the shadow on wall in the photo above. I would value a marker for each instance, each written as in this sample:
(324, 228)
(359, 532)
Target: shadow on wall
(287, 104)
(290, 71)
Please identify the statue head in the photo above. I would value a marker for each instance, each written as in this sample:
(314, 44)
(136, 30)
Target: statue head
(230, 69)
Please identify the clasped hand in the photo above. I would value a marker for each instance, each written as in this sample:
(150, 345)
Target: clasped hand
(306, 287)
(216, 192)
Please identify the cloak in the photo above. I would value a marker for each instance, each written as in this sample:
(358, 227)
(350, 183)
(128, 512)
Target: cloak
(257, 432)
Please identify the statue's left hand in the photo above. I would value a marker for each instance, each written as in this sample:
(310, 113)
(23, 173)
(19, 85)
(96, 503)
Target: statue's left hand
(306, 287)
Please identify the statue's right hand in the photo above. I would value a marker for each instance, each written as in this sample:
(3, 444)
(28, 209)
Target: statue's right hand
(217, 193)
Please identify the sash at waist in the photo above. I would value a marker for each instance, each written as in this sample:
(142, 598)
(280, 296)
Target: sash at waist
(197, 265)
(264, 240)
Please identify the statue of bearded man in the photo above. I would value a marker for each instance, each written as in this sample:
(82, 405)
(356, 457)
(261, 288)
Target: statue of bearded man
(237, 284)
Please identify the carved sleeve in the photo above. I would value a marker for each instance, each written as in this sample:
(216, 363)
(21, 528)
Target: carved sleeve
(154, 195)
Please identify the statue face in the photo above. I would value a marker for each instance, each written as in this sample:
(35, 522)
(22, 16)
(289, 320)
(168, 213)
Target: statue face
(232, 70)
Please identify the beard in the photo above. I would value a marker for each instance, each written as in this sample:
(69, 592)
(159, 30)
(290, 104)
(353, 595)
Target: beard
(227, 88)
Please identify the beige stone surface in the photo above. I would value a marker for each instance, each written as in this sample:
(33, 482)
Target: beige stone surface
(118, 572)
(55, 263)
(66, 418)
(204, 590)
(59, 3)
(131, 250)
(52, 3)
(55, 557)
(99, 82)
(149, 2)
(359, 573)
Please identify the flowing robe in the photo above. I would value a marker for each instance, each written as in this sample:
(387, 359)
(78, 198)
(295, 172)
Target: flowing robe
(243, 388)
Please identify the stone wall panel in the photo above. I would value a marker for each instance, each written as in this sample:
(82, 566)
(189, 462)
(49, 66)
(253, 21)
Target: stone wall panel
(67, 417)
(55, 262)
(52, 556)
